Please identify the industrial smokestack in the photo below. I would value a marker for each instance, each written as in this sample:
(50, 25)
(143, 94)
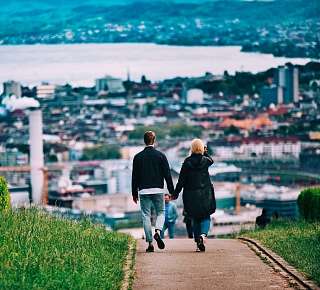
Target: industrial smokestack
(36, 154)
(238, 196)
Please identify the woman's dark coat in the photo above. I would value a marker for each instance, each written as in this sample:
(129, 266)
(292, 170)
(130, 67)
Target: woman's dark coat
(198, 193)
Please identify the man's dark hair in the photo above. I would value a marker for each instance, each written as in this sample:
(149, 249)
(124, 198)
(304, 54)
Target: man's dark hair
(149, 137)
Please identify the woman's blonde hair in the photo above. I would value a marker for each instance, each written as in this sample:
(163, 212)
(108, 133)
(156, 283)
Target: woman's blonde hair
(197, 146)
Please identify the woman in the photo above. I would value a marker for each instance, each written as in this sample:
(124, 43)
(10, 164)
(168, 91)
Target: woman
(198, 194)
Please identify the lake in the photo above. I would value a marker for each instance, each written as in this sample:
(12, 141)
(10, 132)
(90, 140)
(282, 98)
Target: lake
(80, 64)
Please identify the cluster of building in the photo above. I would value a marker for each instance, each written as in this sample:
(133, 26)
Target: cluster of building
(280, 123)
(272, 129)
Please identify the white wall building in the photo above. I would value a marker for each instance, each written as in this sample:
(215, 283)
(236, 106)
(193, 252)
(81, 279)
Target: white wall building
(45, 91)
(110, 84)
(123, 180)
(268, 147)
(226, 152)
(195, 96)
(115, 85)
(101, 85)
(273, 148)
(129, 152)
(118, 174)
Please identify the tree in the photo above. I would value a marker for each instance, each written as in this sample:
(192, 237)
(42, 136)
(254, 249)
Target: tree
(138, 132)
(183, 130)
(52, 158)
(101, 152)
(232, 130)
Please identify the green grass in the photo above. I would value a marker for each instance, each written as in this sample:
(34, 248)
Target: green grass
(38, 251)
(298, 242)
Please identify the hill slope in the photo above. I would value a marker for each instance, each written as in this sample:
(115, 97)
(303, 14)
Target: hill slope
(38, 251)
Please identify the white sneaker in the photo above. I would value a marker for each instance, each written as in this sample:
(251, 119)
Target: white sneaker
(204, 238)
(200, 244)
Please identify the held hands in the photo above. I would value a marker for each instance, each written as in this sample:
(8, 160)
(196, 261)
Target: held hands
(174, 197)
(135, 199)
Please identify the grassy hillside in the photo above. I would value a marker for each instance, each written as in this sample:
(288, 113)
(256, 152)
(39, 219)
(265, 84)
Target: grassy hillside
(298, 242)
(38, 251)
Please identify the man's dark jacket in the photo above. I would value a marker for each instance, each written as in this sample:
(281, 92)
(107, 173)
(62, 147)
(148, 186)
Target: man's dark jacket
(150, 169)
(198, 193)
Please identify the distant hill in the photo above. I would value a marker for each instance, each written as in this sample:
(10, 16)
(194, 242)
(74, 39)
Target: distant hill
(27, 5)
(27, 21)
(260, 10)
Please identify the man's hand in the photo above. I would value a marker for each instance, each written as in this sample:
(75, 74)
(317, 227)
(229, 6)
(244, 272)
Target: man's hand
(135, 199)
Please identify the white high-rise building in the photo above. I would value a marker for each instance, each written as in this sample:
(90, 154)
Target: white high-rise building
(287, 77)
(12, 88)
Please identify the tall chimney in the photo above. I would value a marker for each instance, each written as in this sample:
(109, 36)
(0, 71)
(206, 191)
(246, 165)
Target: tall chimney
(238, 207)
(36, 154)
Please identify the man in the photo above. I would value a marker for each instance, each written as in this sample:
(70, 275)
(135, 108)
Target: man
(171, 214)
(150, 169)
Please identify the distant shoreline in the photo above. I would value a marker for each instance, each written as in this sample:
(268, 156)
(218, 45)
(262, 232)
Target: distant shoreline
(80, 64)
(242, 49)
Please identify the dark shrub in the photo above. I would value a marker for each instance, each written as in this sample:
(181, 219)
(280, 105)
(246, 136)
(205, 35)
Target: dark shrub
(4, 194)
(309, 203)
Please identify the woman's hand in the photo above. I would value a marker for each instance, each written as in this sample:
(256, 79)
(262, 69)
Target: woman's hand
(174, 197)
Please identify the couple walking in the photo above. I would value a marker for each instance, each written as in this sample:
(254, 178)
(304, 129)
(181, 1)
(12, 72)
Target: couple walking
(151, 168)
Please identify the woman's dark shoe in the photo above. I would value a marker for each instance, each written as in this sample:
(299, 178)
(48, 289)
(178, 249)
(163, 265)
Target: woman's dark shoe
(150, 249)
(159, 241)
(200, 244)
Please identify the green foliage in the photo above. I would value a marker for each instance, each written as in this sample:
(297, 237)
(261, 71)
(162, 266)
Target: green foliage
(183, 130)
(101, 152)
(38, 251)
(174, 131)
(298, 242)
(127, 224)
(138, 132)
(232, 130)
(4, 194)
(309, 203)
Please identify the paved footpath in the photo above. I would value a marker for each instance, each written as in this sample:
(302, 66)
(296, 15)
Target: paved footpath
(226, 264)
